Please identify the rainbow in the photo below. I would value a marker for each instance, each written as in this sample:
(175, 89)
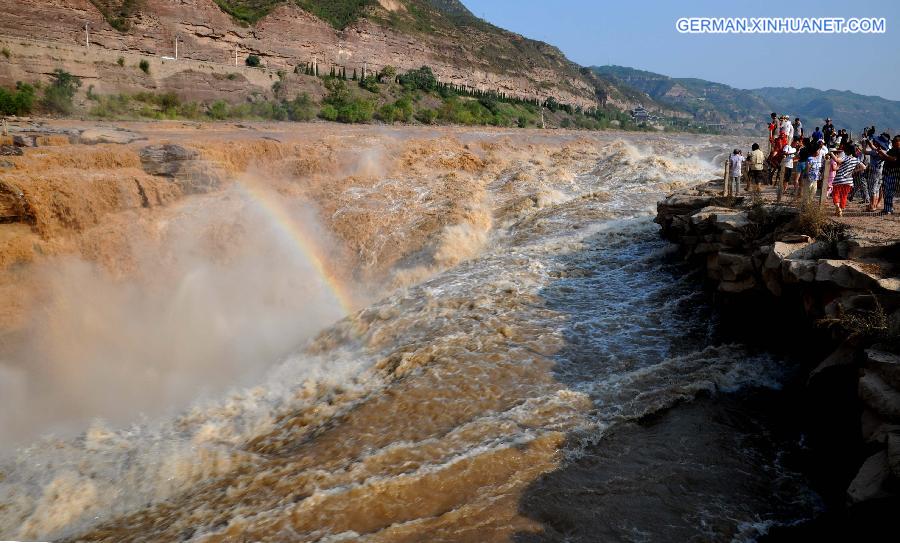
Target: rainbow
(303, 243)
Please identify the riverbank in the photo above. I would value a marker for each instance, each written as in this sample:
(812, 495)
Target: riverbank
(834, 286)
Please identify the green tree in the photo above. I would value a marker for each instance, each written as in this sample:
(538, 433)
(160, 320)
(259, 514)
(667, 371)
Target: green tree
(252, 61)
(19, 102)
(420, 79)
(59, 94)
(144, 65)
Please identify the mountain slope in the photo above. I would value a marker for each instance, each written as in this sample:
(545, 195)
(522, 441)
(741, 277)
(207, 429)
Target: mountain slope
(353, 34)
(714, 102)
(847, 108)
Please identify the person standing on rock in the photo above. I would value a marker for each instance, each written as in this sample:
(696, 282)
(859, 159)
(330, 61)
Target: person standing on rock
(734, 183)
(756, 164)
(890, 173)
(847, 165)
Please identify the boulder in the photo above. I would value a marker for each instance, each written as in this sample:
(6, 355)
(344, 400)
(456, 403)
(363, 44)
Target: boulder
(795, 238)
(194, 176)
(886, 365)
(736, 287)
(734, 266)
(724, 218)
(879, 396)
(869, 481)
(166, 159)
(893, 452)
(798, 271)
(846, 274)
(92, 136)
(23, 141)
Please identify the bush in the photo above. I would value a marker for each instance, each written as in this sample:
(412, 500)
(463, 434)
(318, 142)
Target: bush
(404, 107)
(121, 61)
(387, 113)
(522, 121)
(300, 108)
(144, 65)
(5, 52)
(328, 112)
(218, 110)
(426, 116)
(19, 102)
(388, 73)
(252, 61)
(59, 94)
(357, 111)
(370, 83)
(421, 79)
(112, 106)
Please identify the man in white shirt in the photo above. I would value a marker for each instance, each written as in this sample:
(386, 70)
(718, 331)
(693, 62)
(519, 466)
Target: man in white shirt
(787, 169)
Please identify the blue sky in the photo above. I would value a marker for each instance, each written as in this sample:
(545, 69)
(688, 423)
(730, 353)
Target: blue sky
(642, 35)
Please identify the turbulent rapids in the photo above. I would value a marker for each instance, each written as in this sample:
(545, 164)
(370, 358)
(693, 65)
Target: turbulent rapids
(380, 336)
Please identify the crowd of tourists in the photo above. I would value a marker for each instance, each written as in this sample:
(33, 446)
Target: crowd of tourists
(865, 170)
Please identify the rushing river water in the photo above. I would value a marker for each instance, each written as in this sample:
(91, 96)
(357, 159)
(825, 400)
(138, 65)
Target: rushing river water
(523, 394)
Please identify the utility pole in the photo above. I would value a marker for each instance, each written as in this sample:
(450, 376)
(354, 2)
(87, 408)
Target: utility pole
(365, 65)
(176, 46)
(87, 37)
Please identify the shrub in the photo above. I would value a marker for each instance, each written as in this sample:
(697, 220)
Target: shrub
(112, 106)
(59, 94)
(19, 102)
(328, 112)
(357, 111)
(144, 65)
(5, 52)
(300, 108)
(121, 61)
(370, 83)
(388, 73)
(404, 107)
(426, 116)
(421, 79)
(252, 61)
(218, 110)
(387, 113)
(522, 121)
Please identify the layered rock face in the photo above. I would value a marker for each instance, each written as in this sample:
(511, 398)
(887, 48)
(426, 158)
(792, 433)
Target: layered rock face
(286, 37)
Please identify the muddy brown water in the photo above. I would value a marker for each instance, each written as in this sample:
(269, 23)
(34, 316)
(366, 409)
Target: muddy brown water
(513, 379)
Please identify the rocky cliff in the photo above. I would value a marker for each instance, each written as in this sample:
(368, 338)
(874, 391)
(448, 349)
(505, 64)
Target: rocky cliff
(838, 295)
(460, 48)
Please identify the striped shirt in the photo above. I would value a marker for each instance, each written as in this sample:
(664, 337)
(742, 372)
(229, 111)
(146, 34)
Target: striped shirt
(844, 175)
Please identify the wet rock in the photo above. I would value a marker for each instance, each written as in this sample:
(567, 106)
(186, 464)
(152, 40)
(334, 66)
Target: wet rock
(10, 150)
(869, 481)
(879, 396)
(23, 141)
(167, 159)
(93, 136)
(194, 176)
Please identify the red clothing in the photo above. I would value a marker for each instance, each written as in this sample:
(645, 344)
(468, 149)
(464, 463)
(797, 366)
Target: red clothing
(840, 193)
